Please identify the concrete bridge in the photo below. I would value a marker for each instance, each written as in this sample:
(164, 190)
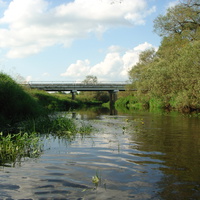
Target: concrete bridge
(112, 87)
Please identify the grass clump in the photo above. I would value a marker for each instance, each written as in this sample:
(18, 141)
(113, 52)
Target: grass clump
(57, 125)
(26, 143)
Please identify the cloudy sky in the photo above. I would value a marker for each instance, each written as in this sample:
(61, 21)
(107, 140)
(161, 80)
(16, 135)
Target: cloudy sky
(66, 40)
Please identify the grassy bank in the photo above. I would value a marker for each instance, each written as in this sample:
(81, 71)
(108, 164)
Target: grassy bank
(16, 103)
(20, 103)
(134, 101)
(61, 101)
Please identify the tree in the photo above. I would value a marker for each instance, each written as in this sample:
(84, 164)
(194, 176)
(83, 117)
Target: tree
(145, 58)
(90, 79)
(182, 19)
(172, 73)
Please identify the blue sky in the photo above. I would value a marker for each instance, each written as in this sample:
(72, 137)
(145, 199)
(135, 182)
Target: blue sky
(66, 40)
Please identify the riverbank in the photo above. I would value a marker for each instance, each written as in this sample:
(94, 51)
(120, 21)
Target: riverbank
(134, 101)
(21, 103)
(61, 101)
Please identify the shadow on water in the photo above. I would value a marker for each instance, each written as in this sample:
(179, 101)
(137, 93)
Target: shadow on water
(173, 139)
(141, 155)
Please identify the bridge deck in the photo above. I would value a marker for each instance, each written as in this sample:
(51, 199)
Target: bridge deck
(58, 86)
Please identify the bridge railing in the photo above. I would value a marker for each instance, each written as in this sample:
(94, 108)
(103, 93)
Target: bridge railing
(75, 83)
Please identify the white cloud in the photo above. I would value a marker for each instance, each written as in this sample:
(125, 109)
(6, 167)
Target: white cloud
(114, 66)
(29, 26)
(78, 69)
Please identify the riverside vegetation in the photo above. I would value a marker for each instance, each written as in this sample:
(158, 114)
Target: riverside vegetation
(24, 114)
(169, 78)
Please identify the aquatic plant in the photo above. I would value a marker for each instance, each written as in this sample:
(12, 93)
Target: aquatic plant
(85, 128)
(97, 180)
(14, 147)
(57, 125)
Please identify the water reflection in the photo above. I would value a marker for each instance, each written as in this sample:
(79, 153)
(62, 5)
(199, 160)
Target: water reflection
(138, 156)
(178, 141)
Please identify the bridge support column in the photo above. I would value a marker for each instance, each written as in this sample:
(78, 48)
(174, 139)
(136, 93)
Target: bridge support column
(73, 94)
(113, 98)
(113, 95)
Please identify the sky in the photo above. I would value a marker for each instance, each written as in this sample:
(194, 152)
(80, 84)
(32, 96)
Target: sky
(67, 40)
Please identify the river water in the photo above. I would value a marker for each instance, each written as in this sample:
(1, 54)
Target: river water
(138, 156)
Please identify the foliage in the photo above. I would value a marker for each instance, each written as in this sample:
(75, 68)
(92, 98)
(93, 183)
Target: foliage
(182, 19)
(171, 75)
(145, 59)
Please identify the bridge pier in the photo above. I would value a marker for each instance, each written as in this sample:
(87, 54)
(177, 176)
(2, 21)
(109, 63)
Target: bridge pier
(113, 97)
(73, 94)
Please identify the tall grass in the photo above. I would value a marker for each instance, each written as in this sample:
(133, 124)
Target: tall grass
(26, 143)
(16, 103)
(55, 125)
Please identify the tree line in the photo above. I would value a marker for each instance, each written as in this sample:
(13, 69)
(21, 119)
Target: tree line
(171, 75)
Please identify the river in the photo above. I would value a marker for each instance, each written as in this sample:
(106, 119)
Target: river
(138, 156)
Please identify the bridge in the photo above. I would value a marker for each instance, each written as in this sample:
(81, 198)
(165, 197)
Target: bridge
(112, 87)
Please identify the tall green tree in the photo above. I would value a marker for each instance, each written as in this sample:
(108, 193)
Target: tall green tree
(182, 19)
